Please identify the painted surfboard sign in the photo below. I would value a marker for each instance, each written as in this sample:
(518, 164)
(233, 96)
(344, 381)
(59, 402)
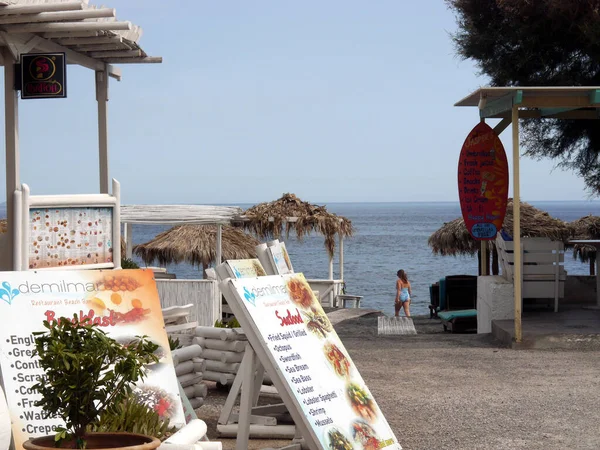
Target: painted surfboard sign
(483, 182)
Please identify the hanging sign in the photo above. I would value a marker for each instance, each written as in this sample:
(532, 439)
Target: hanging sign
(123, 303)
(483, 182)
(309, 365)
(43, 75)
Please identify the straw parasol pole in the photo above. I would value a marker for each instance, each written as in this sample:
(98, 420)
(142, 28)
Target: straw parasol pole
(269, 219)
(454, 239)
(587, 227)
(196, 244)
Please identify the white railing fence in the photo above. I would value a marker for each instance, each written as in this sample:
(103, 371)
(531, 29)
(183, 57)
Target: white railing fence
(204, 294)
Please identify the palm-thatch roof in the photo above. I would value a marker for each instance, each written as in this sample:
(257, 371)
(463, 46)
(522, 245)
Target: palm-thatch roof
(196, 244)
(454, 239)
(587, 227)
(267, 220)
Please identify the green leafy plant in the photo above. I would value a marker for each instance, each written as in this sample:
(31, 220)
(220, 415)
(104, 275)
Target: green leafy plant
(130, 416)
(86, 373)
(232, 323)
(127, 263)
(174, 344)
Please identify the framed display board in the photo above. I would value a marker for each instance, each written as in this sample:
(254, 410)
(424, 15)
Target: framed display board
(308, 364)
(67, 231)
(123, 303)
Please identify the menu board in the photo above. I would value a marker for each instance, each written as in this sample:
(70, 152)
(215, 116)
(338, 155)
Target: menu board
(483, 182)
(61, 237)
(281, 315)
(245, 268)
(280, 258)
(123, 303)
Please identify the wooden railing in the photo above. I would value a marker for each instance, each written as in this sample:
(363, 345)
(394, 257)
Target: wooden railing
(204, 294)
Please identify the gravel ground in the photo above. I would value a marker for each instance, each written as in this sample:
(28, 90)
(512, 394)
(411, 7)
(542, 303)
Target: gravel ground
(451, 391)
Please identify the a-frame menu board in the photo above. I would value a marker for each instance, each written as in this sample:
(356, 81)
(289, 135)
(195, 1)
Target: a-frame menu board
(297, 345)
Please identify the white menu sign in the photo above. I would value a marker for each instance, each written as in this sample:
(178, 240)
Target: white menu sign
(123, 303)
(281, 314)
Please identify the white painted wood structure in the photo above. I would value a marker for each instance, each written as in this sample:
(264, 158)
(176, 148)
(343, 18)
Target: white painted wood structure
(513, 103)
(89, 36)
(177, 215)
(24, 202)
(203, 294)
(542, 266)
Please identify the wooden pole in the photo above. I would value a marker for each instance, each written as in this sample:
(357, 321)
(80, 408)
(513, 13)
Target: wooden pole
(11, 127)
(484, 259)
(219, 245)
(102, 99)
(495, 268)
(128, 240)
(592, 265)
(518, 277)
(341, 257)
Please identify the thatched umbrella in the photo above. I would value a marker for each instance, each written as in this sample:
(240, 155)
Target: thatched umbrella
(587, 227)
(3, 225)
(196, 244)
(267, 220)
(453, 238)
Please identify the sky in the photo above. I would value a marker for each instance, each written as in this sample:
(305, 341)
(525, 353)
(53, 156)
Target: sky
(338, 101)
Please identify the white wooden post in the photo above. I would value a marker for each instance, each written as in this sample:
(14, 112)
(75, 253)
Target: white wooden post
(341, 257)
(518, 278)
(219, 245)
(484, 258)
(11, 130)
(246, 399)
(102, 99)
(128, 229)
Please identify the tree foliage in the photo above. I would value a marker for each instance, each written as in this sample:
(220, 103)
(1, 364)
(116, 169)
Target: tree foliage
(539, 43)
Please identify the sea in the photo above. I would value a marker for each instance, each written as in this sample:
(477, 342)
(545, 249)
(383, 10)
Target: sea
(388, 237)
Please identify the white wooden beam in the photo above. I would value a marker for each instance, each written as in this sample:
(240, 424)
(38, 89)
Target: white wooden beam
(518, 275)
(101, 48)
(102, 99)
(142, 60)
(11, 130)
(67, 26)
(95, 40)
(58, 16)
(117, 54)
(39, 8)
(78, 58)
(73, 34)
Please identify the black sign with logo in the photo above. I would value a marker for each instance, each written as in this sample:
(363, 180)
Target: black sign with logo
(43, 75)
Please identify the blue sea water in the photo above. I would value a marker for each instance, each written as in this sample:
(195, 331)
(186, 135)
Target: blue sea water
(389, 236)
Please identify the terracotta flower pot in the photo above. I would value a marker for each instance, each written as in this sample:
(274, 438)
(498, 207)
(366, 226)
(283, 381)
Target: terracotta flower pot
(99, 441)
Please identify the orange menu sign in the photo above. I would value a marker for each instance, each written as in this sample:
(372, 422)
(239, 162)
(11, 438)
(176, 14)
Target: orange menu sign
(483, 182)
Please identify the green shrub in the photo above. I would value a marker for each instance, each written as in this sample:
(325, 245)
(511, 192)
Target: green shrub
(130, 416)
(174, 344)
(232, 323)
(127, 263)
(86, 373)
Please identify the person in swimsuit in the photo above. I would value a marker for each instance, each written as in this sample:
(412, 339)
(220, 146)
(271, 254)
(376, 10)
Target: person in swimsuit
(403, 294)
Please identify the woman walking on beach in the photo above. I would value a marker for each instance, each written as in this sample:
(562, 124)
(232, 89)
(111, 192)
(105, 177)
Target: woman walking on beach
(403, 294)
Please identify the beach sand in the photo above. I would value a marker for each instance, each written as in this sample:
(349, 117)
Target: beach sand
(462, 391)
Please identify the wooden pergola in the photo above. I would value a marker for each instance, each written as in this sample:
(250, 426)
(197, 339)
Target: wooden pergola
(513, 103)
(90, 37)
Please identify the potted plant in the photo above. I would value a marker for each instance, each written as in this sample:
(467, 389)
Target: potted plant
(86, 374)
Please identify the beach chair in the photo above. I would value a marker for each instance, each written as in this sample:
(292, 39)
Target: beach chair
(460, 303)
(542, 267)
